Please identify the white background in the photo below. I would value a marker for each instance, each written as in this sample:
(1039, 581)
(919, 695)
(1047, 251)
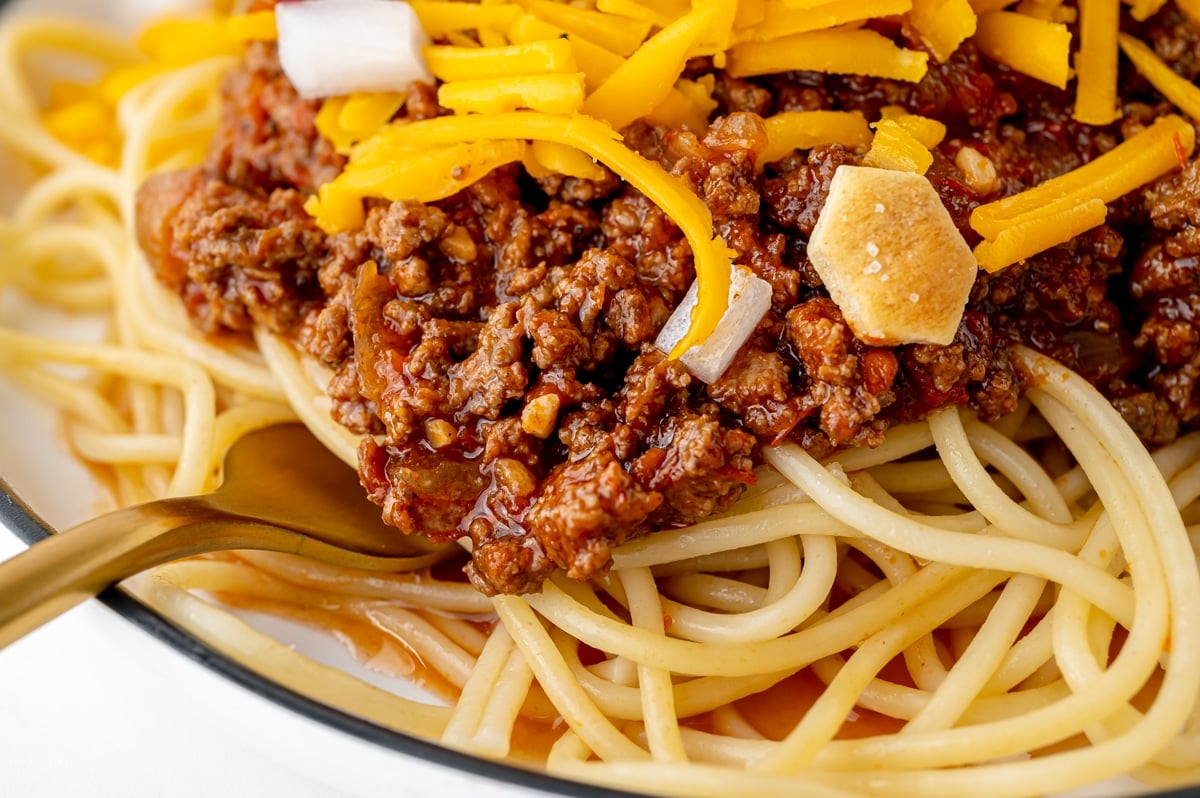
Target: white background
(82, 715)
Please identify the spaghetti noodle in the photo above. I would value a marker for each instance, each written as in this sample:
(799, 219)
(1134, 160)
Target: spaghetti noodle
(1007, 608)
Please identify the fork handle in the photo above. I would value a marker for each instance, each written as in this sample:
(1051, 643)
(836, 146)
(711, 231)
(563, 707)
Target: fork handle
(63, 570)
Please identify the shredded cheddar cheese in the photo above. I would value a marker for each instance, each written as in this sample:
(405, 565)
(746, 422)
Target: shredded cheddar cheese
(1178, 90)
(596, 63)
(749, 13)
(643, 82)
(87, 126)
(255, 26)
(1096, 63)
(943, 24)
(329, 125)
(803, 130)
(1031, 235)
(366, 112)
(896, 148)
(781, 18)
(616, 34)
(1047, 10)
(1135, 162)
(440, 18)
(688, 105)
(116, 84)
(1144, 9)
(345, 121)
(438, 173)
(982, 7)
(697, 103)
(555, 93)
(555, 158)
(929, 132)
(844, 51)
(660, 14)
(1036, 47)
(177, 41)
(535, 57)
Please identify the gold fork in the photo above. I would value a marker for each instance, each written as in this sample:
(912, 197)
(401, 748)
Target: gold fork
(282, 491)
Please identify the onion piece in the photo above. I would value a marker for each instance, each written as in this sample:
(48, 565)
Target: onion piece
(332, 47)
(749, 300)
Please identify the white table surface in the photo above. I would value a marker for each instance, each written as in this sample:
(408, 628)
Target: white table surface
(80, 716)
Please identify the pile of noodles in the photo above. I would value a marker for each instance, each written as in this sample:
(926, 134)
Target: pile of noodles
(1008, 609)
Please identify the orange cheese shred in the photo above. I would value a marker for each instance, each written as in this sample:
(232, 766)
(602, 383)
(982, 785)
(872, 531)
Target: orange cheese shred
(943, 24)
(596, 63)
(684, 108)
(1039, 233)
(1138, 160)
(982, 7)
(449, 63)
(643, 82)
(437, 173)
(928, 131)
(896, 148)
(366, 112)
(442, 17)
(1047, 10)
(749, 13)
(1050, 214)
(255, 26)
(328, 124)
(1096, 100)
(1029, 45)
(617, 34)
(780, 18)
(116, 84)
(554, 93)
(1144, 9)
(1178, 90)
(847, 52)
(802, 130)
(660, 13)
(561, 159)
(177, 41)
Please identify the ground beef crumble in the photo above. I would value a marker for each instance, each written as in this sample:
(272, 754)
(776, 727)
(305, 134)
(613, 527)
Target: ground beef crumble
(495, 347)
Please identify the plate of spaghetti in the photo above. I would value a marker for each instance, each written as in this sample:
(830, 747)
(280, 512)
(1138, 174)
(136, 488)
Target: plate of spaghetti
(798, 397)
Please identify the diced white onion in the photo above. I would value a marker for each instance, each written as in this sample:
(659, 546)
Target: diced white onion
(749, 300)
(331, 47)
